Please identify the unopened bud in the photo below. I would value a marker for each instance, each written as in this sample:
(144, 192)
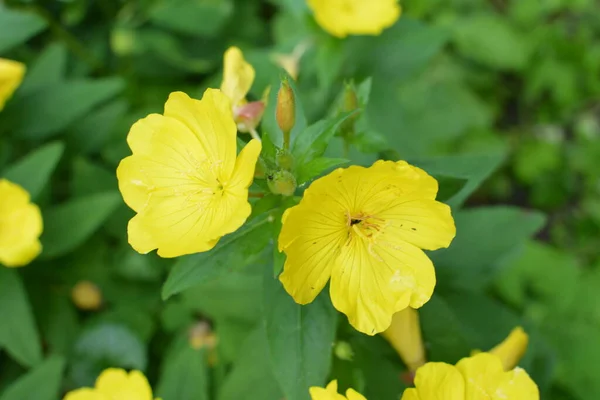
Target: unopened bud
(512, 349)
(248, 116)
(404, 334)
(86, 296)
(282, 182)
(285, 160)
(285, 112)
(349, 103)
(201, 336)
(343, 351)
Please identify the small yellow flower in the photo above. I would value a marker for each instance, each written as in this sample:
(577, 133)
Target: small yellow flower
(290, 62)
(238, 76)
(115, 384)
(20, 226)
(86, 296)
(355, 17)
(512, 349)
(473, 378)
(11, 76)
(364, 228)
(404, 334)
(183, 178)
(331, 393)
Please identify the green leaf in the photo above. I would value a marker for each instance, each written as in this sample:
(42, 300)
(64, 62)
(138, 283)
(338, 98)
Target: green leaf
(486, 238)
(104, 346)
(192, 17)
(60, 324)
(61, 235)
(18, 333)
(300, 339)
(52, 109)
(90, 178)
(17, 26)
(251, 372)
(474, 168)
(34, 170)
(49, 68)
(41, 383)
(312, 142)
(234, 252)
(313, 168)
(92, 132)
(184, 377)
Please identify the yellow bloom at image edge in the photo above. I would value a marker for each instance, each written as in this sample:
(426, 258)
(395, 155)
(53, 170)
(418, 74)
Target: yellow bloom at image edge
(364, 230)
(355, 17)
(331, 393)
(11, 75)
(478, 377)
(20, 226)
(115, 384)
(185, 180)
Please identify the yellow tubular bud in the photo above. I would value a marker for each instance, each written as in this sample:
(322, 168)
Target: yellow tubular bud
(285, 112)
(404, 334)
(86, 296)
(512, 349)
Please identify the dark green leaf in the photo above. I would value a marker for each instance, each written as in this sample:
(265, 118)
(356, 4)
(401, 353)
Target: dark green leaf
(18, 333)
(184, 376)
(17, 26)
(49, 68)
(195, 17)
(34, 170)
(61, 235)
(300, 339)
(41, 383)
(234, 252)
(313, 168)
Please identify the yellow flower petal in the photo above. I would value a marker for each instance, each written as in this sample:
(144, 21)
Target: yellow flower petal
(11, 76)
(331, 393)
(517, 384)
(349, 226)
(117, 384)
(86, 394)
(404, 334)
(238, 76)
(20, 226)
(512, 349)
(184, 179)
(411, 394)
(352, 394)
(355, 17)
(439, 381)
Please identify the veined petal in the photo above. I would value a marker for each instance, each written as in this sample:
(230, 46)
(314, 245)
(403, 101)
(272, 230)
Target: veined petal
(517, 384)
(352, 394)
(117, 384)
(482, 373)
(211, 121)
(328, 393)
(238, 76)
(85, 394)
(438, 381)
(428, 224)
(243, 174)
(311, 238)
(11, 76)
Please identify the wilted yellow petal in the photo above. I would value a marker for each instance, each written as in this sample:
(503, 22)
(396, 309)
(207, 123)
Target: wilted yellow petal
(355, 17)
(20, 226)
(238, 76)
(404, 334)
(11, 76)
(512, 349)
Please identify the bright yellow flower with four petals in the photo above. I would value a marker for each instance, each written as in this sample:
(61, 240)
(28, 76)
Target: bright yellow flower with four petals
(331, 393)
(480, 377)
(115, 384)
(364, 228)
(183, 179)
(355, 17)
(20, 226)
(11, 76)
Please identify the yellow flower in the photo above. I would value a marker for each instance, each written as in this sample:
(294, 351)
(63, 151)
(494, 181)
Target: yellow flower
(355, 17)
(20, 226)
(11, 75)
(183, 178)
(331, 393)
(512, 349)
(238, 77)
(404, 334)
(364, 228)
(478, 377)
(115, 384)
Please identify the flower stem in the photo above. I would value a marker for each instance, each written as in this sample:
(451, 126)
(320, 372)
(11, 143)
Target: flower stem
(254, 134)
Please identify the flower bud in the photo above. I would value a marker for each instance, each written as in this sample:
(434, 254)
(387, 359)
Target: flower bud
(404, 334)
(86, 296)
(343, 351)
(285, 160)
(248, 116)
(512, 349)
(349, 103)
(282, 182)
(285, 112)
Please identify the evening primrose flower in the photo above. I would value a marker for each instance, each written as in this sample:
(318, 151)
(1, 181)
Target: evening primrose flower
(183, 179)
(404, 334)
(355, 17)
(331, 393)
(11, 76)
(364, 228)
(115, 384)
(238, 76)
(477, 377)
(20, 226)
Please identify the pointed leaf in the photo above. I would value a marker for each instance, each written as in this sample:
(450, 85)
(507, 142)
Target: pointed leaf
(185, 376)
(41, 383)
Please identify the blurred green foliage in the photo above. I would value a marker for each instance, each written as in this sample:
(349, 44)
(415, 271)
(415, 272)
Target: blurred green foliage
(497, 99)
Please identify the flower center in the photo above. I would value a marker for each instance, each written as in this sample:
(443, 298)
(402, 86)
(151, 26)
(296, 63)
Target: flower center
(364, 225)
